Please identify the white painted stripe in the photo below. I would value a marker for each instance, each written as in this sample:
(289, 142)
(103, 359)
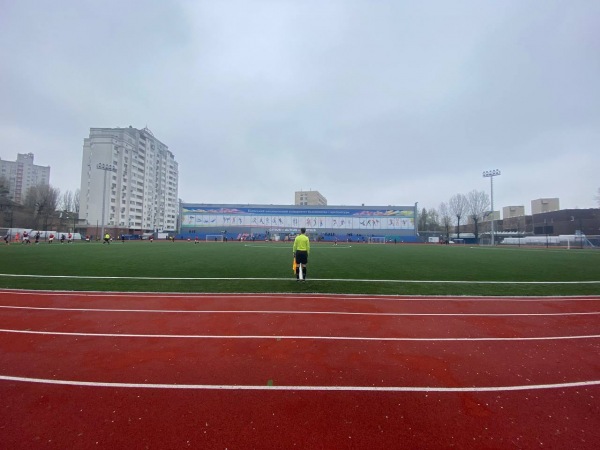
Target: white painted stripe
(288, 279)
(233, 387)
(287, 295)
(327, 313)
(313, 247)
(320, 338)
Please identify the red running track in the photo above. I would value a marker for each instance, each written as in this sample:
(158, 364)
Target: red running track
(94, 370)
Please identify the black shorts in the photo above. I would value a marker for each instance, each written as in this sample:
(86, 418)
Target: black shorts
(301, 257)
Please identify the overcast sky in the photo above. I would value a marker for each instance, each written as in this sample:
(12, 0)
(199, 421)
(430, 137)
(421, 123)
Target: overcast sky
(375, 102)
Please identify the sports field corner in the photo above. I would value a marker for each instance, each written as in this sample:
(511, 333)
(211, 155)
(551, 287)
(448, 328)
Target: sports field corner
(116, 368)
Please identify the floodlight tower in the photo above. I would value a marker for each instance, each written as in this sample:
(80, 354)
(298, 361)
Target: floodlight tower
(106, 168)
(491, 174)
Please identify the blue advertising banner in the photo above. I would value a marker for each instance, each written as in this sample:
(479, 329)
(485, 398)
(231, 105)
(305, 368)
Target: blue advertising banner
(402, 212)
(326, 218)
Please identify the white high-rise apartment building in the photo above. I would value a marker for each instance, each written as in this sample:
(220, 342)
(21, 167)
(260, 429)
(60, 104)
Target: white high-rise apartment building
(129, 177)
(23, 174)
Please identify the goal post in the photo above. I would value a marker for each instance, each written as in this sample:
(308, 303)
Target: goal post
(214, 238)
(376, 240)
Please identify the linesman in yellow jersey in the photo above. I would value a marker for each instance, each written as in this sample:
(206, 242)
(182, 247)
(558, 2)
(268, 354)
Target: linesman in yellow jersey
(301, 250)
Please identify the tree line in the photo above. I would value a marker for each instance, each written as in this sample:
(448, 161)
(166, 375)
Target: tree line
(44, 208)
(456, 211)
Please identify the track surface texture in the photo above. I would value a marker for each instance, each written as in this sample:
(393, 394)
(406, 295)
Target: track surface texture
(168, 371)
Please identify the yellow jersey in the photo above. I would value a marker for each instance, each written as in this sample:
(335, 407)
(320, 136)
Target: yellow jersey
(301, 243)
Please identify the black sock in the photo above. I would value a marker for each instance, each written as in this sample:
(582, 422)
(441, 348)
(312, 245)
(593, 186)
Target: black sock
(304, 272)
(297, 273)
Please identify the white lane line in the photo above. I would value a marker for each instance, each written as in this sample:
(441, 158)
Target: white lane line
(287, 295)
(329, 313)
(301, 388)
(279, 337)
(289, 279)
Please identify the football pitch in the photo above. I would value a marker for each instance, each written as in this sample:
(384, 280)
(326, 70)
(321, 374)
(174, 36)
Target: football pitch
(265, 267)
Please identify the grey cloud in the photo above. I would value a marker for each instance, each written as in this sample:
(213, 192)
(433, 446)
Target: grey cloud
(368, 102)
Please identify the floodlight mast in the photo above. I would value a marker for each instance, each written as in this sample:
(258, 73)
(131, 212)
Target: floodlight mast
(491, 174)
(106, 168)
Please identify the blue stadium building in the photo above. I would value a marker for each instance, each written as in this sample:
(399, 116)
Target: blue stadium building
(280, 222)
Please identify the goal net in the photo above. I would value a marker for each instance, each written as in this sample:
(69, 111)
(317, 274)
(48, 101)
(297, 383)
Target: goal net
(376, 240)
(214, 238)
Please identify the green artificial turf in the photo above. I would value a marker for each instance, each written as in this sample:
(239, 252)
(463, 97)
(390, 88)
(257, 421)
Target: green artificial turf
(267, 267)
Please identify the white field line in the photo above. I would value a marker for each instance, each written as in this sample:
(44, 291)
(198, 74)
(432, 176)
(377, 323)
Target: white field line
(289, 296)
(323, 247)
(268, 247)
(278, 337)
(288, 279)
(280, 312)
(540, 248)
(229, 387)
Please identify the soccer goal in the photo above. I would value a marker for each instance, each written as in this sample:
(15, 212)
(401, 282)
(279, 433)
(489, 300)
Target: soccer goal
(376, 240)
(214, 238)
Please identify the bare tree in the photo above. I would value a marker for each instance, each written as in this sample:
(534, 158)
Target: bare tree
(67, 201)
(433, 220)
(446, 218)
(69, 208)
(597, 197)
(6, 204)
(458, 207)
(429, 220)
(4, 186)
(76, 201)
(478, 205)
(423, 220)
(43, 201)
